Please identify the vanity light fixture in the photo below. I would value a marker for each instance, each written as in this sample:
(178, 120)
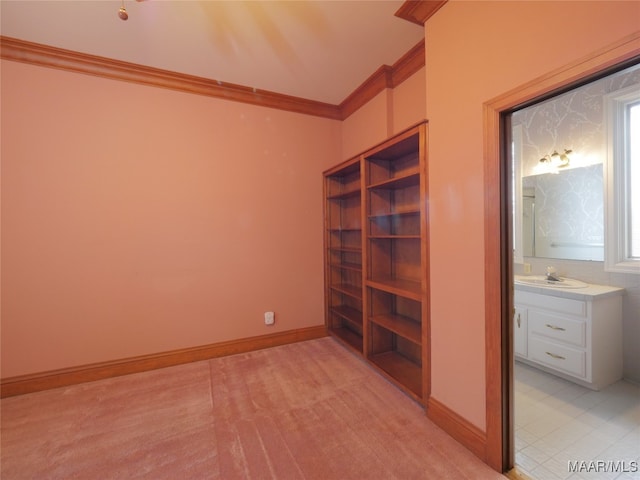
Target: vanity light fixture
(557, 160)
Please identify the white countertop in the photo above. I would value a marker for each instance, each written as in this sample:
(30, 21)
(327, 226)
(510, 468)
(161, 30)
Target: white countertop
(587, 293)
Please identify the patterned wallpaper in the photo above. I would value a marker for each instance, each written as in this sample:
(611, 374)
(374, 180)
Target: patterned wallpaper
(574, 120)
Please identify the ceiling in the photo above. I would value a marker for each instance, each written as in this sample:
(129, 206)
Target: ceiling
(317, 50)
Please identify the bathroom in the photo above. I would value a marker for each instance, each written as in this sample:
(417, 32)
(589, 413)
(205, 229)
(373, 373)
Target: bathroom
(566, 196)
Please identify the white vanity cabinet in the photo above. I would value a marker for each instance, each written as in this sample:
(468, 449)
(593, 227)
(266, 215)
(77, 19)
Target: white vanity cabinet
(577, 336)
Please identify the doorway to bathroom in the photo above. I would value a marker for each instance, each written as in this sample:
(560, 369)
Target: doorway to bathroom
(502, 377)
(576, 381)
(571, 404)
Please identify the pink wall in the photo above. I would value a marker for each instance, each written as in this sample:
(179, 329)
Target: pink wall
(475, 52)
(138, 220)
(390, 112)
(366, 127)
(409, 102)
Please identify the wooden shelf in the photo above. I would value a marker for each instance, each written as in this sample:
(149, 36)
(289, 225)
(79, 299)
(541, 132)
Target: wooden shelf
(396, 237)
(395, 214)
(406, 288)
(403, 326)
(348, 313)
(347, 266)
(347, 289)
(346, 249)
(348, 337)
(410, 179)
(383, 224)
(401, 145)
(401, 370)
(343, 195)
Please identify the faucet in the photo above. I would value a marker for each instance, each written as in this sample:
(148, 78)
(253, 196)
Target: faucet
(552, 275)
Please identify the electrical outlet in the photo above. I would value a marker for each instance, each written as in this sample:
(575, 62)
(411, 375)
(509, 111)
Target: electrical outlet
(269, 318)
(527, 268)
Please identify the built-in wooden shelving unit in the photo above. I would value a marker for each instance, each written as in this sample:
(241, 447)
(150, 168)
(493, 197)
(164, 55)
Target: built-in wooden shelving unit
(376, 229)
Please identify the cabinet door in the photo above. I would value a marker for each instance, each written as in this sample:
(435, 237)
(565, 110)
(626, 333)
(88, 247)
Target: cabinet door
(520, 331)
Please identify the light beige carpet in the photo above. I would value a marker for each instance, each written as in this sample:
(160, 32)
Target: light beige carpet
(310, 410)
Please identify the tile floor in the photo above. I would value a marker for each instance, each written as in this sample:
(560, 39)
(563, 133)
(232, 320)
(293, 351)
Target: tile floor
(558, 422)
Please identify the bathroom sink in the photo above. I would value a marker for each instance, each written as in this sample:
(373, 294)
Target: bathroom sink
(541, 281)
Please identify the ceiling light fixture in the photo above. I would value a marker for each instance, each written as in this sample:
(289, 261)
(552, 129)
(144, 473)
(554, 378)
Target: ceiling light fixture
(122, 12)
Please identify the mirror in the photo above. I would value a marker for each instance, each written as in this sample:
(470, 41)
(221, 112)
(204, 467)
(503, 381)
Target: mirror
(563, 214)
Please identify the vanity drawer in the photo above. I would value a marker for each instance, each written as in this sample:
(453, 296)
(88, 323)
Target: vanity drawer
(557, 304)
(559, 357)
(557, 327)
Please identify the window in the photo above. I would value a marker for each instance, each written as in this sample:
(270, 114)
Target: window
(634, 178)
(623, 181)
